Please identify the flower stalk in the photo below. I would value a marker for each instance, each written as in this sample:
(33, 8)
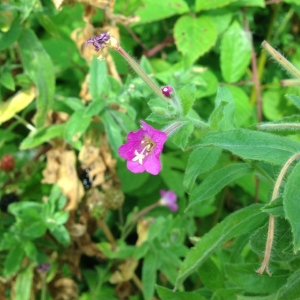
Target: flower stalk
(281, 60)
(136, 67)
(271, 228)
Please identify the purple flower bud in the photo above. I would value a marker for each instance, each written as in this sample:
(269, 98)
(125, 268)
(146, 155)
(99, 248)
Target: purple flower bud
(168, 198)
(43, 268)
(167, 90)
(99, 41)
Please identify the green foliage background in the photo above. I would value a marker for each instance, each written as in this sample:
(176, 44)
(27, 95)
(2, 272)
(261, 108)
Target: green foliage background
(239, 125)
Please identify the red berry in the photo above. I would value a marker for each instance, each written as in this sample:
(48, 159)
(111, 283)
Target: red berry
(7, 163)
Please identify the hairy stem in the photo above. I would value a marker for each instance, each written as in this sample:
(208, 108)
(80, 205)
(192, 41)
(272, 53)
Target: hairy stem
(281, 60)
(271, 228)
(136, 67)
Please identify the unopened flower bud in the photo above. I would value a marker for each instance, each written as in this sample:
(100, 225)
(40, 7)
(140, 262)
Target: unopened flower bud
(167, 90)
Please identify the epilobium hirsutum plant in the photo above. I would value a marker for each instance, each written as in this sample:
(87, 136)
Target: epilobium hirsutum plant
(173, 111)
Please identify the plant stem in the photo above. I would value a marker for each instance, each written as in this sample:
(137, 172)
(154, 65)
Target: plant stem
(128, 228)
(281, 60)
(136, 67)
(263, 56)
(108, 233)
(44, 287)
(255, 76)
(24, 122)
(271, 228)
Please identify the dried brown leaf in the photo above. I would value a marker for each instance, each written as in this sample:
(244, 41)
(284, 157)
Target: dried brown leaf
(143, 230)
(125, 271)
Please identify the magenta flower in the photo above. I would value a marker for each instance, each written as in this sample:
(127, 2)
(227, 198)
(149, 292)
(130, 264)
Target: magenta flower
(143, 149)
(167, 90)
(168, 198)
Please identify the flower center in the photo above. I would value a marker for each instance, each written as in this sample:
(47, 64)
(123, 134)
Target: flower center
(149, 146)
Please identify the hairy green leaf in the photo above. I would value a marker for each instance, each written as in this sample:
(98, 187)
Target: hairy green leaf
(291, 205)
(200, 161)
(255, 145)
(245, 220)
(187, 97)
(243, 276)
(291, 290)
(217, 180)
(166, 294)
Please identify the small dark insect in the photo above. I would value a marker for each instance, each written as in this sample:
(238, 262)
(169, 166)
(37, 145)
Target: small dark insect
(84, 176)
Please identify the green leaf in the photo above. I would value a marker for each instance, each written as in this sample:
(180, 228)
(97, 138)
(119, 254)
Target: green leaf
(243, 109)
(35, 230)
(48, 24)
(23, 284)
(227, 294)
(259, 3)
(40, 136)
(98, 84)
(200, 161)
(61, 234)
(31, 250)
(194, 36)
(255, 145)
(243, 276)
(274, 207)
(13, 261)
(222, 118)
(152, 10)
(112, 129)
(295, 99)
(9, 37)
(187, 97)
(216, 181)
(211, 276)
(211, 4)
(235, 53)
(282, 248)
(181, 136)
(39, 67)
(245, 220)
(291, 290)
(61, 217)
(6, 78)
(166, 294)
(159, 107)
(149, 271)
(76, 126)
(291, 206)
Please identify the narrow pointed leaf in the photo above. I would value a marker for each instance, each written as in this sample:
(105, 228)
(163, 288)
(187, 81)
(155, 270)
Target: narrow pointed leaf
(243, 221)
(39, 67)
(255, 145)
(216, 181)
(187, 97)
(200, 161)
